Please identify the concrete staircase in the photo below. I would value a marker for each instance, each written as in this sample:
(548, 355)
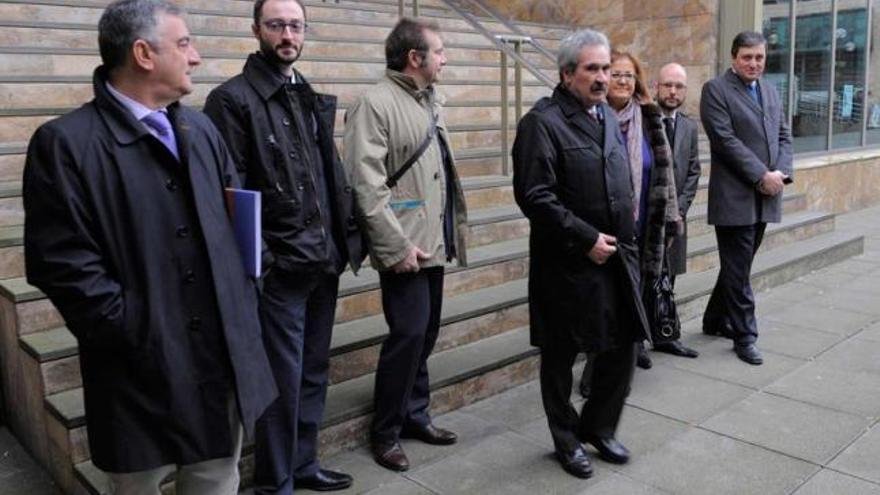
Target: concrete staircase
(48, 51)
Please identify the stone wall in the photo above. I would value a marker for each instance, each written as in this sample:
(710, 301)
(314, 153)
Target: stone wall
(660, 31)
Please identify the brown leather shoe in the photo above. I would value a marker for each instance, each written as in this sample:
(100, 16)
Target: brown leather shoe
(390, 456)
(429, 434)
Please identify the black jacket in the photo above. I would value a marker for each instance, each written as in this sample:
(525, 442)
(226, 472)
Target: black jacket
(571, 179)
(136, 251)
(254, 112)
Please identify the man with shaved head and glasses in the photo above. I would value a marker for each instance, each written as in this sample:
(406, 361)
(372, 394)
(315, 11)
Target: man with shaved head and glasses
(280, 133)
(571, 178)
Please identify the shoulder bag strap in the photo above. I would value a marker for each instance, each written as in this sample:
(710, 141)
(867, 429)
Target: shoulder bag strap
(392, 181)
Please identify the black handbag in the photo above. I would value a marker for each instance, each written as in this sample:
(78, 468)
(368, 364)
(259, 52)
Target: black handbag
(659, 300)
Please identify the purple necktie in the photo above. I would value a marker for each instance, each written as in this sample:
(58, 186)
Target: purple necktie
(159, 122)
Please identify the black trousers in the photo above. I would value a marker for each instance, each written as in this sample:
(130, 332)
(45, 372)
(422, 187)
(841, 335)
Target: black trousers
(412, 303)
(732, 301)
(297, 312)
(612, 373)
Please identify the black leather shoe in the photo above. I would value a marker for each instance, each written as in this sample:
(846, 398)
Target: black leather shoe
(324, 480)
(576, 463)
(429, 434)
(675, 348)
(724, 330)
(390, 456)
(642, 359)
(609, 449)
(749, 353)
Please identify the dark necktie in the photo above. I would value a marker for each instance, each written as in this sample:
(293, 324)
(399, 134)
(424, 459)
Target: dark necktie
(753, 92)
(159, 122)
(670, 130)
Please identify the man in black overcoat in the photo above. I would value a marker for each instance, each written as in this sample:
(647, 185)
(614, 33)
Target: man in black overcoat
(126, 231)
(280, 134)
(572, 180)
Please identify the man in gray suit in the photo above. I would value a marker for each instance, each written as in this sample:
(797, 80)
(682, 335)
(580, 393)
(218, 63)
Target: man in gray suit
(681, 132)
(751, 163)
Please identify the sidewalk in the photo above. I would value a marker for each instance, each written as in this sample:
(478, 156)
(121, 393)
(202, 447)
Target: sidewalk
(804, 423)
(19, 474)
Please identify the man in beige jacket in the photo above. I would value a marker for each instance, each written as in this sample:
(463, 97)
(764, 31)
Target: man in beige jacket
(414, 219)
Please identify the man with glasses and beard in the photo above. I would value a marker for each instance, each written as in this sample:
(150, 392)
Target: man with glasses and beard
(280, 134)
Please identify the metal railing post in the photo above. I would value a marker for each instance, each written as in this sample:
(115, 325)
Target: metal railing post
(415, 8)
(399, 8)
(505, 104)
(518, 84)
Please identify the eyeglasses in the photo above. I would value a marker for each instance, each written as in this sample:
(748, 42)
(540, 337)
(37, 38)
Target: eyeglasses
(678, 86)
(278, 26)
(623, 76)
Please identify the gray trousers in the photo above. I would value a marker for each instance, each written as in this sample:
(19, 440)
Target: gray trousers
(211, 477)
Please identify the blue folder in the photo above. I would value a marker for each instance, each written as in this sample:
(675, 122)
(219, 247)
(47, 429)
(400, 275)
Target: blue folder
(244, 212)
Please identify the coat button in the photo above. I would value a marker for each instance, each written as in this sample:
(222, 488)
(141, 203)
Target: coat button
(352, 220)
(292, 154)
(308, 221)
(347, 190)
(436, 175)
(171, 185)
(195, 323)
(189, 277)
(300, 186)
(285, 121)
(182, 231)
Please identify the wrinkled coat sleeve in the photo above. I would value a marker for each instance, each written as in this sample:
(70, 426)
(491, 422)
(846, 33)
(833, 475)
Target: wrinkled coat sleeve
(692, 178)
(366, 143)
(63, 257)
(227, 116)
(715, 115)
(784, 161)
(535, 183)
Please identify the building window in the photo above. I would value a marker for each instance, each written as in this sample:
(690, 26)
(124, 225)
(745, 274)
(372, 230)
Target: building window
(777, 30)
(812, 75)
(849, 73)
(873, 107)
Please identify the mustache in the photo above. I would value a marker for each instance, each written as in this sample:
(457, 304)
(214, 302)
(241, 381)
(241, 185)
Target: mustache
(598, 86)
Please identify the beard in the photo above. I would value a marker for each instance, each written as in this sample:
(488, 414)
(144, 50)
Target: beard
(271, 52)
(664, 102)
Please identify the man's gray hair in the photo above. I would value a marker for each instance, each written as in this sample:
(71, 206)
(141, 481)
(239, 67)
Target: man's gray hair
(569, 51)
(126, 21)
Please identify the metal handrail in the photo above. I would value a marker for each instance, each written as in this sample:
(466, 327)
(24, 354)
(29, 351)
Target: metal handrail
(502, 42)
(491, 12)
(401, 8)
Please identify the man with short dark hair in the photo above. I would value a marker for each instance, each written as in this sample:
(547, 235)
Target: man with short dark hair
(751, 163)
(127, 234)
(280, 133)
(572, 180)
(681, 132)
(412, 210)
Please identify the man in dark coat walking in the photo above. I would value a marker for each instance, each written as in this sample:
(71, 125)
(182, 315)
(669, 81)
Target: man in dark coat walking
(127, 233)
(280, 133)
(572, 181)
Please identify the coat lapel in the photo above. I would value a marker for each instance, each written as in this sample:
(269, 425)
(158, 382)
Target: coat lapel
(740, 89)
(575, 113)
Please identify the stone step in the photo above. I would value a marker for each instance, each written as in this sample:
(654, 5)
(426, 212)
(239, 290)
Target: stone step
(698, 214)
(348, 403)
(19, 92)
(81, 62)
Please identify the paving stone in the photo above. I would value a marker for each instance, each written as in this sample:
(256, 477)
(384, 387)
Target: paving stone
(827, 482)
(701, 462)
(503, 464)
(800, 430)
(860, 458)
(672, 392)
(717, 360)
(794, 341)
(854, 355)
(19, 473)
(794, 291)
(837, 321)
(644, 432)
(844, 390)
(516, 407)
(617, 484)
(400, 487)
(828, 279)
(870, 333)
(848, 300)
